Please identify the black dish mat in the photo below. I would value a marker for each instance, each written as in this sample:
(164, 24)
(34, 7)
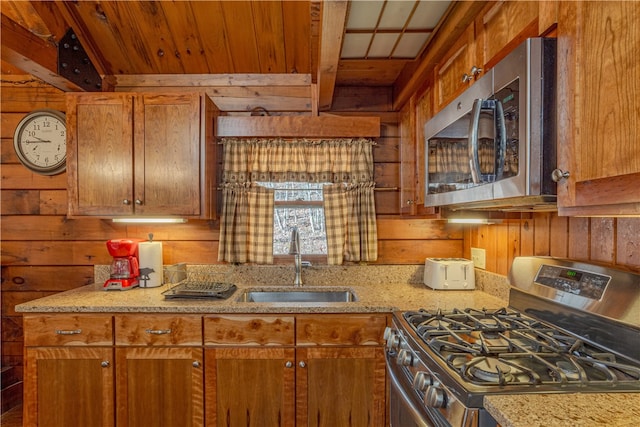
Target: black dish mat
(201, 290)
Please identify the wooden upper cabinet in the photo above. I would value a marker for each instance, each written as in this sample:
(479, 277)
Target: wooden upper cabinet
(141, 154)
(455, 72)
(503, 25)
(599, 108)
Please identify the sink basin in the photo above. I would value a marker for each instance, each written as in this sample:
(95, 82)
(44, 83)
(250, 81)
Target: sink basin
(297, 296)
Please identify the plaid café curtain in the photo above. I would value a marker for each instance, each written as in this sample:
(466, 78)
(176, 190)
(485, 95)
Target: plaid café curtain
(246, 226)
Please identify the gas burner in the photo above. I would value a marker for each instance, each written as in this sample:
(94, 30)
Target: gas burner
(489, 369)
(570, 371)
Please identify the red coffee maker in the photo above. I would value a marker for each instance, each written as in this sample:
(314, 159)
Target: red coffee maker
(124, 267)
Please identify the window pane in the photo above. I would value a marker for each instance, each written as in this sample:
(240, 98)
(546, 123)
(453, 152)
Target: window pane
(310, 223)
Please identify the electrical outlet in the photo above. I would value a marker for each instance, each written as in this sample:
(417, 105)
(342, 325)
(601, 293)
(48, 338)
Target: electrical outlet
(479, 257)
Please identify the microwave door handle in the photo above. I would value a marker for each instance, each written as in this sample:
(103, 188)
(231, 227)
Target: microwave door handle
(474, 162)
(501, 130)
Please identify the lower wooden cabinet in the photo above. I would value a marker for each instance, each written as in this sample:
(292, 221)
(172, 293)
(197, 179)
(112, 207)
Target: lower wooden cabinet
(68, 371)
(250, 387)
(159, 370)
(342, 386)
(68, 387)
(193, 370)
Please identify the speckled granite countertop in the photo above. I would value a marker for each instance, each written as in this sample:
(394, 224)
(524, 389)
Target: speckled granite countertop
(378, 289)
(386, 289)
(562, 410)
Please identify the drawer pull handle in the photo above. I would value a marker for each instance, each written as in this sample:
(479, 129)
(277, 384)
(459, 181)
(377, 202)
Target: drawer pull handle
(72, 332)
(158, 331)
(196, 364)
(105, 364)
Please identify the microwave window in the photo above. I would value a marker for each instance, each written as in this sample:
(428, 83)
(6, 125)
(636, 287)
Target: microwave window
(450, 152)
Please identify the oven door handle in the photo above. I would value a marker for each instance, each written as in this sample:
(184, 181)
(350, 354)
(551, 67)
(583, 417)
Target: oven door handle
(474, 161)
(417, 416)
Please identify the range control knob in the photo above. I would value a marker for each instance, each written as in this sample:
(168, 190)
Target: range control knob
(423, 380)
(406, 358)
(392, 337)
(435, 397)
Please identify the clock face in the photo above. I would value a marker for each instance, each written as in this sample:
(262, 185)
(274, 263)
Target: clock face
(40, 142)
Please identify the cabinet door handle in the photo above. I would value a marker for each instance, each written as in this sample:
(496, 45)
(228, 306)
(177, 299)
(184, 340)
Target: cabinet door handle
(466, 78)
(126, 202)
(72, 332)
(475, 70)
(158, 331)
(302, 364)
(105, 364)
(288, 364)
(138, 202)
(196, 364)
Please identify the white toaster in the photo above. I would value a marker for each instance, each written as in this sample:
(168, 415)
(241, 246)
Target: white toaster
(449, 273)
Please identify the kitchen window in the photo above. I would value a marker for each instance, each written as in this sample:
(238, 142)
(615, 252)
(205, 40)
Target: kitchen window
(264, 182)
(298, 204)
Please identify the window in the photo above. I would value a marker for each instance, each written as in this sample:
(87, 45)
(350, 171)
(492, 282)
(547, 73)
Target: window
(298, 204)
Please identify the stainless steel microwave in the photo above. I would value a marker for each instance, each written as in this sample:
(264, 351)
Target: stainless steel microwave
(494, 147)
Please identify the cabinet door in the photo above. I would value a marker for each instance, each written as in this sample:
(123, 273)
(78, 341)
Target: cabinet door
(167, 154)
(100, 154)
(340, 386)
(249, 387)
(501, 26)
(159, 386)
(68, 387)
(452, 68)
(599, 107)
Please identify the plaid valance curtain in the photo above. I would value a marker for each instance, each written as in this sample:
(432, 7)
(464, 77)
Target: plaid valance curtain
(246, 228)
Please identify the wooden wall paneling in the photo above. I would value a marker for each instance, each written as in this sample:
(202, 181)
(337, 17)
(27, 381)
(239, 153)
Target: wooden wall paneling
(387, 202)
(417, 229)
(527, 237)
(501, 254)
(602, 239)
(413, 252)
(558, 236)
(16, 202)
(17, 99)
(541, 234)
(386, 150)
(628, 242)
(578, 238)
(513, 240)
(16, 177)
(38, 278)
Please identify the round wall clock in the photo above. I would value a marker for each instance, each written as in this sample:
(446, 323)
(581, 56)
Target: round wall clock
(40, 141)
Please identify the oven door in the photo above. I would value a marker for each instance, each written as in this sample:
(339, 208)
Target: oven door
(405, 407)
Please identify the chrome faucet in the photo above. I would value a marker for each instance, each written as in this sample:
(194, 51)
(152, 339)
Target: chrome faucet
(294, 249)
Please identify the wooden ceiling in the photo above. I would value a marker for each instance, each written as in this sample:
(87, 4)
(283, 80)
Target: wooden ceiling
(279, 55)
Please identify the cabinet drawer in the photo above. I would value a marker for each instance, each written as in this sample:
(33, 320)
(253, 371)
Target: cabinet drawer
(249, 330)
(158, 330)
(340, 329)
(67, 330)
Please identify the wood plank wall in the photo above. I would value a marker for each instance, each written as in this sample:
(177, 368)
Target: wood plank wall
(43, 252)
(607, 241)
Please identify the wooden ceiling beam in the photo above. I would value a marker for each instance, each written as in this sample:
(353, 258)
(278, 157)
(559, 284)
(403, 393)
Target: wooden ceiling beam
(333, 19)
(32, 54)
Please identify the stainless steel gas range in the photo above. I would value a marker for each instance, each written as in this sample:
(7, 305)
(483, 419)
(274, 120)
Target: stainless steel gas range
(569, 327)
